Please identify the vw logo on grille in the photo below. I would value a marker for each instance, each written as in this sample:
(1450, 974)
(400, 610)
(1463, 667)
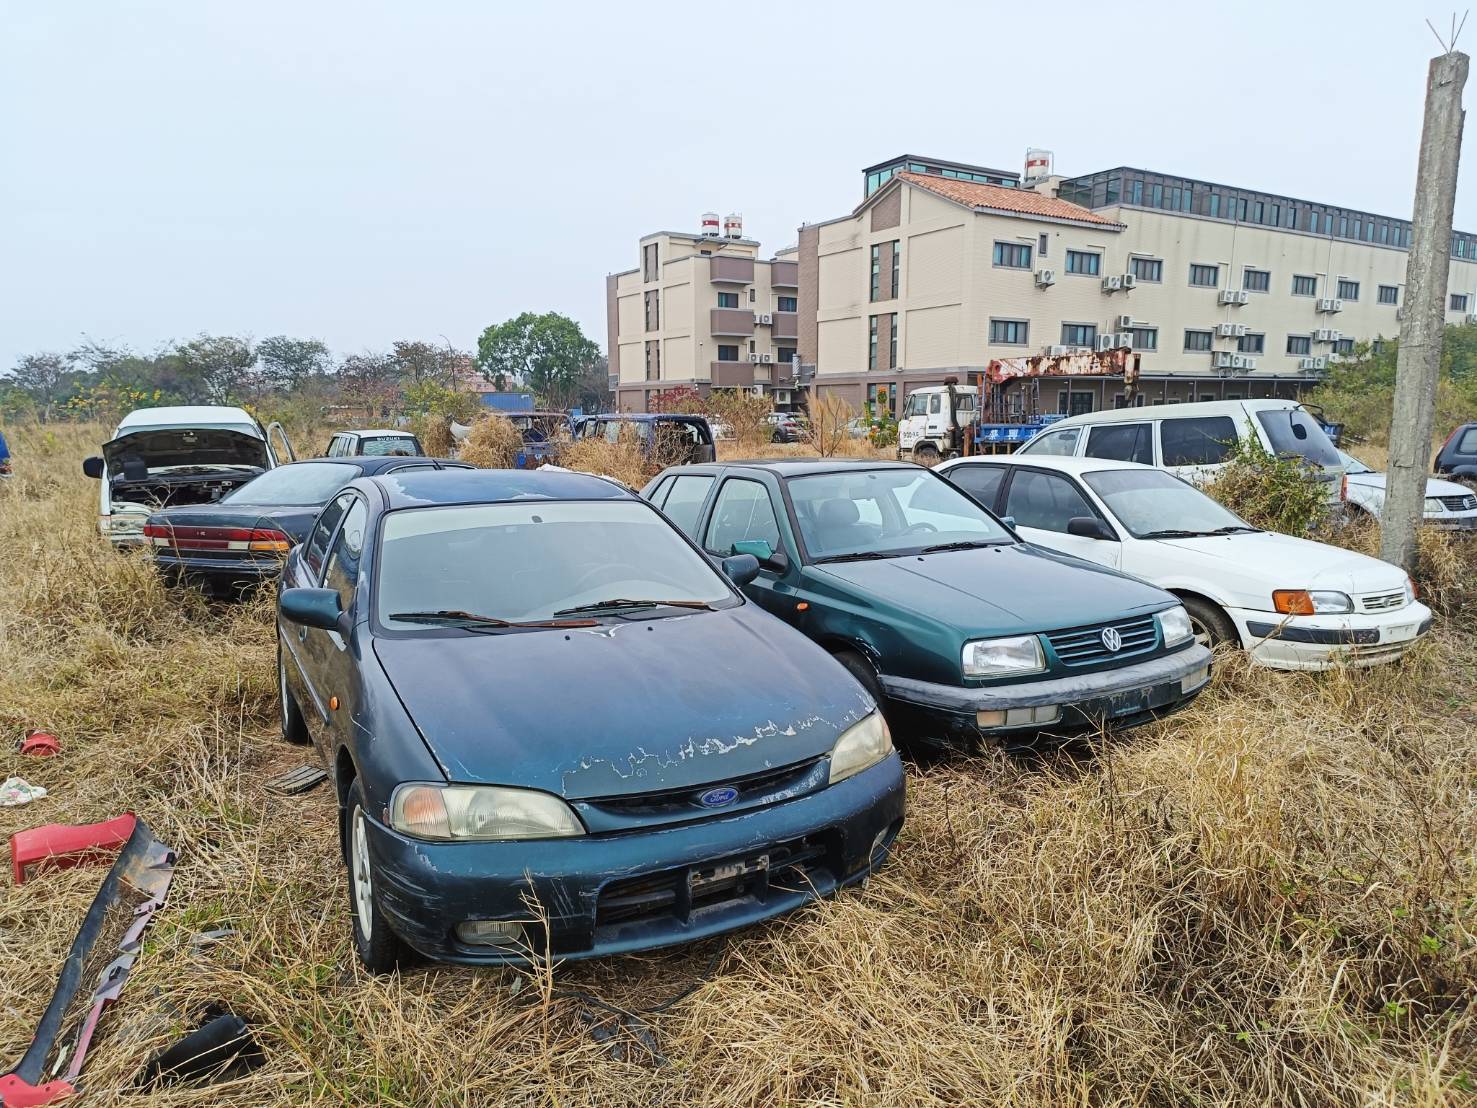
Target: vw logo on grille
(1112, 639)
(717, 798)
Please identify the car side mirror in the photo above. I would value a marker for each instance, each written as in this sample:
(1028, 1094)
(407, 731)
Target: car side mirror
(1009, 521)
(93, 467)
(1090, 527)
(740, 568)
(314, 608)
(767, 556)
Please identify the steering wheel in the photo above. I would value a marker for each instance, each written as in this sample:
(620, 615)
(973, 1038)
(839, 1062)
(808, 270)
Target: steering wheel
(922, 525)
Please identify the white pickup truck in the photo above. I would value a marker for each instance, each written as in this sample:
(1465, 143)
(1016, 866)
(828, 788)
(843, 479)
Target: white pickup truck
(924, 430)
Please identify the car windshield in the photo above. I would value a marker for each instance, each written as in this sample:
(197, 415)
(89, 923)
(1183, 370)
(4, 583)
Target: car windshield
(300, 485)
(1152, 503)
(1296, 434)
(887, 512)
(532, 559)
(1353, 464)
(384, 445)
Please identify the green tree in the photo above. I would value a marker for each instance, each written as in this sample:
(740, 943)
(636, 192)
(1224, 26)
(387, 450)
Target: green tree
(547, 353)
(425, 363)
(288, 364)
(46, 379)
(219, 365)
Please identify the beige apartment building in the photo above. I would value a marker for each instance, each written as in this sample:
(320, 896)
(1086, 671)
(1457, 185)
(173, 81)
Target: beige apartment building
(705, 311)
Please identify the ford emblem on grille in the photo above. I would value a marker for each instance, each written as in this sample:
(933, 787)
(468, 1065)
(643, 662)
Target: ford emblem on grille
(717, 798)
(1112, 639)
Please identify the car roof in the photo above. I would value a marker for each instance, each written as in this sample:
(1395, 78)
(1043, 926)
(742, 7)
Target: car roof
(381, 431)
(373, 463)
(641, 417)
(1173, 411)
(485, 486)
(1048, 461)
(799, 467)
(184, 416)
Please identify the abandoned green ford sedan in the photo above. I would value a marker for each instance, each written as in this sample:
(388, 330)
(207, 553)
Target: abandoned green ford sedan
(954, 623)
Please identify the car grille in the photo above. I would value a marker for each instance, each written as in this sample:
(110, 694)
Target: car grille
(1383, 602)
(759, 786)
(1083, 646)
(682, 893)
(1465, 503)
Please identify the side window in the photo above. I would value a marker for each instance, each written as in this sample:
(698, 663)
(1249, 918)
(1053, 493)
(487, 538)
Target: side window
(743, 512)
(612, 430)
(659, 494)
(1196, 442)
(1044, 500)
(685, 500)
(1121, 442)
(316, 548)
(1468, 443)
(935, 404)
(409, 469)
(343, 562)
(981, 481)
(333, 447)
(1062, 443)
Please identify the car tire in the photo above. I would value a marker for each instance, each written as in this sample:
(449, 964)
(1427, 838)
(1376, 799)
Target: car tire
(379, 948)
(294, 727)
(926, 455)
(1211, 625)
(864, 672)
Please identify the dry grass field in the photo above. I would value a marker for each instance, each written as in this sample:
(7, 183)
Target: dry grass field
(1269, 899)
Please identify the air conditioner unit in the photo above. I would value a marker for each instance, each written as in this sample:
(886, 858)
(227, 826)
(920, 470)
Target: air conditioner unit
(1234, 296)
(1323, 334)
(1319, 362)
(1223, 359)
(1247, 363)
(1058, 351)
(1330, 304)
(1105, 342)
(1231, 330)
(1124, 339)
(1307, 363)
(757, 390)
(1129, 280)
(1125, 322)
(1112, 284)
(1045, 278)
(763, 317)
(781, 396)
(766, 358)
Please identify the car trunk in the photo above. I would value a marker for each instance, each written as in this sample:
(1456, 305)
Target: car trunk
(165, 468)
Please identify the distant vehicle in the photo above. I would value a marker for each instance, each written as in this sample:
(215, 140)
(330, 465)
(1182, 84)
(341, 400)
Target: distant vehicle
(672, 439)
(1448, 505)
(1289, 602)
(242, 538)
(1193, 440)
(1458, 455)
(787, 427)
(373, 444)
(927, 431)
(161, 457)
(5, 468)
(961, 629)
(518, 772)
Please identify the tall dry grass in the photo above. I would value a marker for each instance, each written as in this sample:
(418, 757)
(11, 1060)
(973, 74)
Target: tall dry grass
(1268, 899)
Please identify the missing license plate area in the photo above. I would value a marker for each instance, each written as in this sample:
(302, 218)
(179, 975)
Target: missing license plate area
(727, 875)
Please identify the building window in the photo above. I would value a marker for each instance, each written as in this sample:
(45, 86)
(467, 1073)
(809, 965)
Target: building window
(1205, 276)
(1252, 343)
(1086, 262)
(876, 271)
(751, 296)
(897, 266)
(649, 268)
(1013, 255)
(1358, 229)
(1458, 301)
(1256, 280)
(1145, 338)
(892, 341)
(1111, 196)
(1343, 346)
(727, 353)
(1260, 212)
(1384, 234)
(872, 343)
(1348, 290)
(1158, 201)
(1304, 286)
(653, 360)
(1299, 344)
(1010, 332)
(653, 300)
(1241, 209)
(1079, 334)
(1138, 192)
(1215, 205)
(788, 304)
(1389, 294)
(784, 355)
(1042, 240)
(1199, 340)
(1343, 226)
(1148, 269)
(728, 300)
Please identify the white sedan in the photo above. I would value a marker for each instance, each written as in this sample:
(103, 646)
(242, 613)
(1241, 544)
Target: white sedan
(1291, 603)
(1448, 505)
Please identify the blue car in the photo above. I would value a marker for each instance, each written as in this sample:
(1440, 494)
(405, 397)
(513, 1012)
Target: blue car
(556, 727)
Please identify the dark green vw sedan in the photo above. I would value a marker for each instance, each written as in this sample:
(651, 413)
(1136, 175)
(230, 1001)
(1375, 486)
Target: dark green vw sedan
(953, 622)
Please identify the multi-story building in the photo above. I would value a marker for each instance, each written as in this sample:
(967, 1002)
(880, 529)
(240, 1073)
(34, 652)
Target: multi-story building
(702, 310)
(1218, 292)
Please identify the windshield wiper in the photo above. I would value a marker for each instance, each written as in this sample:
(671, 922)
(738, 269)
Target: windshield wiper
(1234, 529)
(1173, 533)
(452, 618)
(968, 544)
(621, 602)
(858, 556)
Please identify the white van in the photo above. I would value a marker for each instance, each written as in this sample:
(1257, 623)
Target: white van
(1192, 440)
(160, 457)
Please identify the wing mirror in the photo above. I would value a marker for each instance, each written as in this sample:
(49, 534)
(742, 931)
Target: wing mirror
(740, 568)
(767, 556)
(1090, 527)
(315, 608)
(93, 467)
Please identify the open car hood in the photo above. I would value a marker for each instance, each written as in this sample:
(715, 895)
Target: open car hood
(186, 446)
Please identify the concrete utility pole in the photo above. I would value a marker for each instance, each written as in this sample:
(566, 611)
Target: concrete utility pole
(1426, 271)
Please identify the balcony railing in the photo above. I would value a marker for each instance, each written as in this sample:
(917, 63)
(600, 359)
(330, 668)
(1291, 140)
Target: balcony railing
(731, 321)
(785, 325)
(732, 270)
(784, 275)
(731, 375)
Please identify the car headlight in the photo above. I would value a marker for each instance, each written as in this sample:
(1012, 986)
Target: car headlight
(1174, 624)
(861, 746)
(1434, 507)
(459, 812)
(994, 657)
(1307, 602)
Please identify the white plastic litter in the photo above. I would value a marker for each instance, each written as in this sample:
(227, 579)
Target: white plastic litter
(17, 791)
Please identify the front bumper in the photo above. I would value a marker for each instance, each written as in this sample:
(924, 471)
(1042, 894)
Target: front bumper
(227, 570)
(1452, 521)
(1125, 696)
(616, 893)
(1320, 642)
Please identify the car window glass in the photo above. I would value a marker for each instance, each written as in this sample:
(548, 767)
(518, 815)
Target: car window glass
(659, 494)
(1196, 442)
(386, 445)
(316, 548)
(408, 469)
(297, 485)
(612, 431)
(342, 573)
(981, 482)
(1044, 500)
(1468, 443)
(1121, 442)
(1296, 434)
(935, 404)
(886, 511)
(1146, 501)
(743, 512)
(1062, 443)
(685, 500)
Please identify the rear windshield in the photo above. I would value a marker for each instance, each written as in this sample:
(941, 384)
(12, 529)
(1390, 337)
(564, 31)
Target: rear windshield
(386, 445)
(300, 485)
(1296, 434)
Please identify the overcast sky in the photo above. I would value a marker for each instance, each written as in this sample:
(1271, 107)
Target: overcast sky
(363, 172)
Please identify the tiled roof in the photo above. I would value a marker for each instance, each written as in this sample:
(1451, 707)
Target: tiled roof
(975, 195)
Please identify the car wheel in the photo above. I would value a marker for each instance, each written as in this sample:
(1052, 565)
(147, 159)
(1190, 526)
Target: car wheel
(1211, 625)
(864, 672)
(294, 727)
(379, 948)
(926, 455)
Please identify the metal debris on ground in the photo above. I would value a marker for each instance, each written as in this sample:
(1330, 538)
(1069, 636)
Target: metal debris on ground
(298, 780)
(16, 791)
(221, 1048)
